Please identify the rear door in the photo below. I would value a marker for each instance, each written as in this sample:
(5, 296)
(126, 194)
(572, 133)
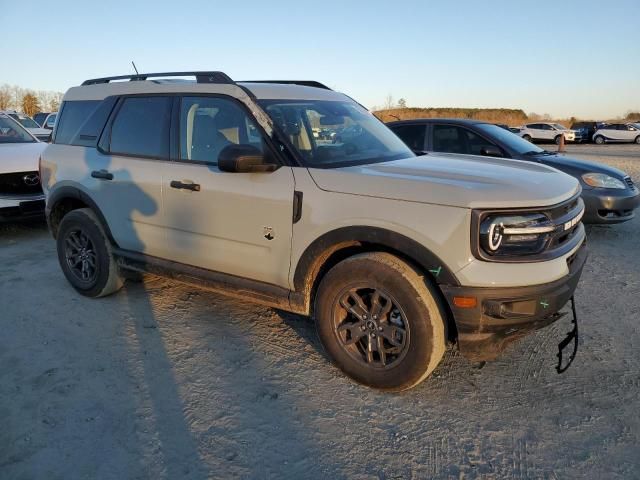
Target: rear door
(126, 172)
(235, 223)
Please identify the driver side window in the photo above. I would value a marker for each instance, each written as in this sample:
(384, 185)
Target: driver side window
(208, 124)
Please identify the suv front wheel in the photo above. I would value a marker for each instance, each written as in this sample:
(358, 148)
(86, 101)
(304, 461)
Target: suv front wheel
(380, 322)
(85, 255)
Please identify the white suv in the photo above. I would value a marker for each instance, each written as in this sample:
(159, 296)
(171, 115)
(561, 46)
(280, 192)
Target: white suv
(223, 185)
(546, 132)
(618, 133)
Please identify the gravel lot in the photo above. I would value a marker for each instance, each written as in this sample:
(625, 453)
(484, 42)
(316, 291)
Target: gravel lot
(164, 381)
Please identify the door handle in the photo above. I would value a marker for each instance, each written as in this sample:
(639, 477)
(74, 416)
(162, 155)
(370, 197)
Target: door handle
(194, 187)
(102, 174)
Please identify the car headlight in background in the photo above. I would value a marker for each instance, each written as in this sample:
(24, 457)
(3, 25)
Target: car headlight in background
(601, 180)
(514, 235)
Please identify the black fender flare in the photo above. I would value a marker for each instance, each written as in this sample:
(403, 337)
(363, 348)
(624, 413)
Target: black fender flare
(321, 249)
(76, 193)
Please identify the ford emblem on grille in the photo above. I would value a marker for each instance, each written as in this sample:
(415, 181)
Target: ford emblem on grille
(31, 179)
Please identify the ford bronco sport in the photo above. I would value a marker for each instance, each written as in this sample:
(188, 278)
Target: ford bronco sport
(223, 185)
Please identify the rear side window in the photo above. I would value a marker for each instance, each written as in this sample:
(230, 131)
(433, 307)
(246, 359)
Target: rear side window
(412, 135)
(73, 115)
(141, 127)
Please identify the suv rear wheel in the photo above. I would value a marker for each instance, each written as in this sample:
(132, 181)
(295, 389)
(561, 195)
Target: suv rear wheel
(379, 321)
(599, 140)
(85, 255)
(527, 137)
(638, 139)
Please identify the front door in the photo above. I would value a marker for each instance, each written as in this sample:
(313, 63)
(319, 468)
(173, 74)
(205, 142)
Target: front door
(236, 223)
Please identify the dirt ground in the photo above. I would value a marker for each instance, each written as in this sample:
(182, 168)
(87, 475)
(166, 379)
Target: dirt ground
(162, 381)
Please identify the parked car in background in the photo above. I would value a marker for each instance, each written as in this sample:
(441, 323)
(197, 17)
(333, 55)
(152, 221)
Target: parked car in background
(222, 185)
(21, 194)
(584, 130)
(609, 194)
(50, 121)
(27, 122)
(617, 133)
(546, 132)
(40, 117)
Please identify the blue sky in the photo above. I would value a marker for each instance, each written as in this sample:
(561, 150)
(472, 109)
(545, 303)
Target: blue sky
(563, 58)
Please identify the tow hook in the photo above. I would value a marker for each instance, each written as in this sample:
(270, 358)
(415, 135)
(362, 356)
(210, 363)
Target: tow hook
(572, 336)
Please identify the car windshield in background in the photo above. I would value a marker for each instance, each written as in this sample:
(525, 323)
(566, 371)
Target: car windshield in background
(559, 127)
(12, 132)
(513, 141)
(25, 121)
(331, 134)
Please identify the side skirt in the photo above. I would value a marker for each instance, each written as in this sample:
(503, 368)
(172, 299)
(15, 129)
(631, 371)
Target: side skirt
(223, 283)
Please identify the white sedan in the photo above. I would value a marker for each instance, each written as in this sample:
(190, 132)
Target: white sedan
(618, 132)
(546, 132)
(20, 190)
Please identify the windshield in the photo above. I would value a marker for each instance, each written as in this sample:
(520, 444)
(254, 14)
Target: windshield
(511, 140)
(12, 132)
(559, 127)
(331, 134)
(25, 121)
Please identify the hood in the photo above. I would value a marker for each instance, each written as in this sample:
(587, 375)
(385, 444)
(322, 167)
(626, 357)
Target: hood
(20, 157)
(39, 131)
(455, 180)
(578, 167)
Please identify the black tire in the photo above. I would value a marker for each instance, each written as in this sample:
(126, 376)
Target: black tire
(527, 138)
(599, 140)
(557, 139)
(397, 348)
(86, 256)
(638, 139)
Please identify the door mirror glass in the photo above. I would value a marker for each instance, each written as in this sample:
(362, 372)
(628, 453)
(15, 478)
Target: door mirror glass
(243, 159)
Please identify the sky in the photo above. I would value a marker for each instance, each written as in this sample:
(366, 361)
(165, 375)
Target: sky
(565, 58)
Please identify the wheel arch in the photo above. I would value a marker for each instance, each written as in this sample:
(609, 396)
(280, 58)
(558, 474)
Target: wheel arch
(66, 199)
(336, 245)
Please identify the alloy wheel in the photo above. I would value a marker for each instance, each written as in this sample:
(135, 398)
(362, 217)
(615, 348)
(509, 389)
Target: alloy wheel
(81, 255)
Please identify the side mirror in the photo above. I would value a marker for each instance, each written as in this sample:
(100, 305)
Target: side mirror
(490, 151)
(243, 159)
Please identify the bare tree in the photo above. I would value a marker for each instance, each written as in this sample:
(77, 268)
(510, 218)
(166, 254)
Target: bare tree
(55, 101)
(388, 102)
(30, 105)
(402, 103)
(5, 97)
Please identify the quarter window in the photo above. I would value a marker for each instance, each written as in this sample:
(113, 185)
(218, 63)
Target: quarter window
(208, 124)
(73, 116)
(141, 127)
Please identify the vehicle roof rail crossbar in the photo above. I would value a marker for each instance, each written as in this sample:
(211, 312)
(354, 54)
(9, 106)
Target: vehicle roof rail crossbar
(201, 77)
(305, 83)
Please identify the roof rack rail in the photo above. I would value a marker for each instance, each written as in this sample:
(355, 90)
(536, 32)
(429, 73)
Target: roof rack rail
(305, 83)
(201, 77)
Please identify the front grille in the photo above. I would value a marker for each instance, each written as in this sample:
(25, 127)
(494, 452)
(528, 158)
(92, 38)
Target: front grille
(20, 183)
(629, 182)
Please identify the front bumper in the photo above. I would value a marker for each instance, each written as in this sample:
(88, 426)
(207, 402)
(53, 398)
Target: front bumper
(21, 207)
(609, 206)
(504, 314)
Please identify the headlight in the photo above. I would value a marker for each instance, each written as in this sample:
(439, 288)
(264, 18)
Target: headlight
(601, 180)
(514, 235)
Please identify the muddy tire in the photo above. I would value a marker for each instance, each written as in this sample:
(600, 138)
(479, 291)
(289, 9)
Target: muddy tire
(380, 321)
(86, 256)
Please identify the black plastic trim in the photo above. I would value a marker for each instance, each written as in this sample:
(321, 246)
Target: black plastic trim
(201, 77)
(314, 256)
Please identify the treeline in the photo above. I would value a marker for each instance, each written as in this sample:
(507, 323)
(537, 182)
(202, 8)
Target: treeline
(509, 116)
(28, 101)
